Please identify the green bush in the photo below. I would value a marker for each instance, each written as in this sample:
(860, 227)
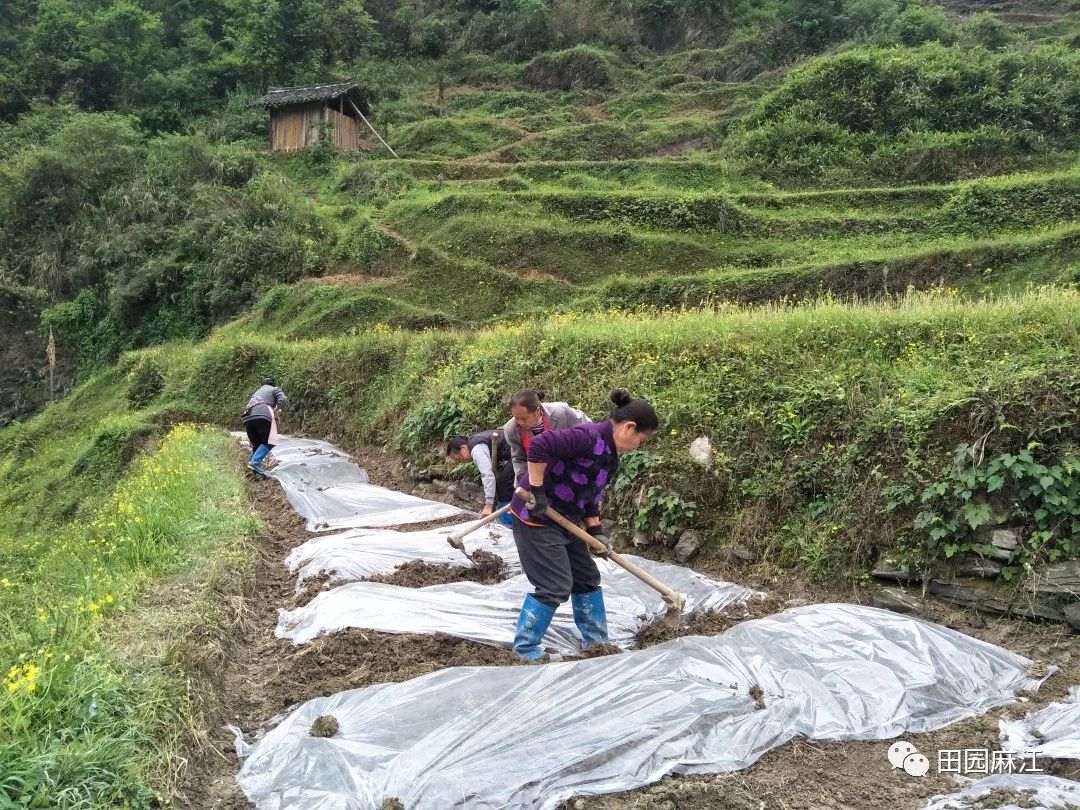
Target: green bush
(145, 382)
(889, 92)
(578, 68)
(988, 206)
(871, 111)
(917, 25)
(986, 30)
(451, 137)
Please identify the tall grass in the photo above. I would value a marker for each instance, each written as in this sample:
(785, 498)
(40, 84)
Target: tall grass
(84, 722)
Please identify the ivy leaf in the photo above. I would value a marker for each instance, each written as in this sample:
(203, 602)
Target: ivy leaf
(976, 514)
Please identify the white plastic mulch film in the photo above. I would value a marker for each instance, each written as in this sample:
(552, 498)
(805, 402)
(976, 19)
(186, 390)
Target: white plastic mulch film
(1038, 792)
(1050, 732)
(488, 613)
(331, 492)
(534, 736)
(361, 553)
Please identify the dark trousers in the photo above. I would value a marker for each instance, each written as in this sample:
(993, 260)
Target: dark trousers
(556, 563)
(504, 482)
(258, 432)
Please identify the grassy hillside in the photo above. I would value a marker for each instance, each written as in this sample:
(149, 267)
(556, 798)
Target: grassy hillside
(820, 407)
(569, 178)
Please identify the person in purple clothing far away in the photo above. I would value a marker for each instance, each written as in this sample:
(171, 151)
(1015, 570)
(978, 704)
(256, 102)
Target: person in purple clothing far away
(568, 469)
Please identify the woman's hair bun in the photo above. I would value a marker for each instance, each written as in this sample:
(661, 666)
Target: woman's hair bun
(620, 397)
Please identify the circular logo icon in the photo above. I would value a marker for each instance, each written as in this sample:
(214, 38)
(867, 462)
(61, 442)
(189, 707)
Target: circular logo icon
(916, 764)
(898, 752)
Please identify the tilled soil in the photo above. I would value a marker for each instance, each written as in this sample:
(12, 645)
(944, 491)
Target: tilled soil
(261, 677)
(709, 623)
(312, 587)
(487, 569)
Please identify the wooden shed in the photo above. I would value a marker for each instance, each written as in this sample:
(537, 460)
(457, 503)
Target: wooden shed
(299, 114)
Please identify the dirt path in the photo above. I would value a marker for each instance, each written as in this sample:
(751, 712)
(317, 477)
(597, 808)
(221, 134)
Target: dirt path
(261, 677)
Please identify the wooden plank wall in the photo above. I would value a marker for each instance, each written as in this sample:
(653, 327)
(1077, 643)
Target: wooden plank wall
(345, 134)
(296, 127)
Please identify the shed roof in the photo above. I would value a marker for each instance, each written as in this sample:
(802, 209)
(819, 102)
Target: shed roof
(287, 96)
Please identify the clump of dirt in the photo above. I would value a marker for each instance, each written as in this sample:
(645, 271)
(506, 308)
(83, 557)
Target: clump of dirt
(1003, 798)
(759, 697)
(709, 623)
(487, 569)
(312, 587)
(490, 568)
(325, 726)
(392, 804)
(598, 650)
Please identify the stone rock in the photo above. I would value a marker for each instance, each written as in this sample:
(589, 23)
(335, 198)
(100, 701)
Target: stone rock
(743, 554)
(890, 570)
(984, 597)
(669, 540)
(798, 601)
(1059, 578)
(701, 452)
(976, 567)
(640, 540)
(466, 490)
(579, 804)
(896, 599)
(689, 544)
(1005, 542)
(1072, 614)
(415, 472)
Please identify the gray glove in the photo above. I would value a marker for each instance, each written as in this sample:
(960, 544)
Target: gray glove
(597, 533)
(538, 502)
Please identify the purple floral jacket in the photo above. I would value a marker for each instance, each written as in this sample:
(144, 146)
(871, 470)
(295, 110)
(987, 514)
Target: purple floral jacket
(581, 461)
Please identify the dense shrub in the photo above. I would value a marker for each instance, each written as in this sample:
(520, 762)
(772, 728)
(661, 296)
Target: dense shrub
(577, 68)
(988, 206)
(445, 137)
(145, 382)
(869, 111)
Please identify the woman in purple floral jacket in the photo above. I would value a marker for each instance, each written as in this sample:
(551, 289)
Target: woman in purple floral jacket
(568, 469)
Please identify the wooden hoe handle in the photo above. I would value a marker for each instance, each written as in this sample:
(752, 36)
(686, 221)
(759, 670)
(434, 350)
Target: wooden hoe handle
(457, 537)
(671, 596)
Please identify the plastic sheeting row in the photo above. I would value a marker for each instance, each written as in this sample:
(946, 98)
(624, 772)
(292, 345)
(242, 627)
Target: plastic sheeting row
(331, 492)
(1050, 732)
(360, 553)
(1038, 792)
(488, 613)
(532, 737)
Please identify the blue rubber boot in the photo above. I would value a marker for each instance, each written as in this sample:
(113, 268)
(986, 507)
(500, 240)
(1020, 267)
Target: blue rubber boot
(590, 617)
(505, 519)
(532, 623)
(255, 465)
(261, 452)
